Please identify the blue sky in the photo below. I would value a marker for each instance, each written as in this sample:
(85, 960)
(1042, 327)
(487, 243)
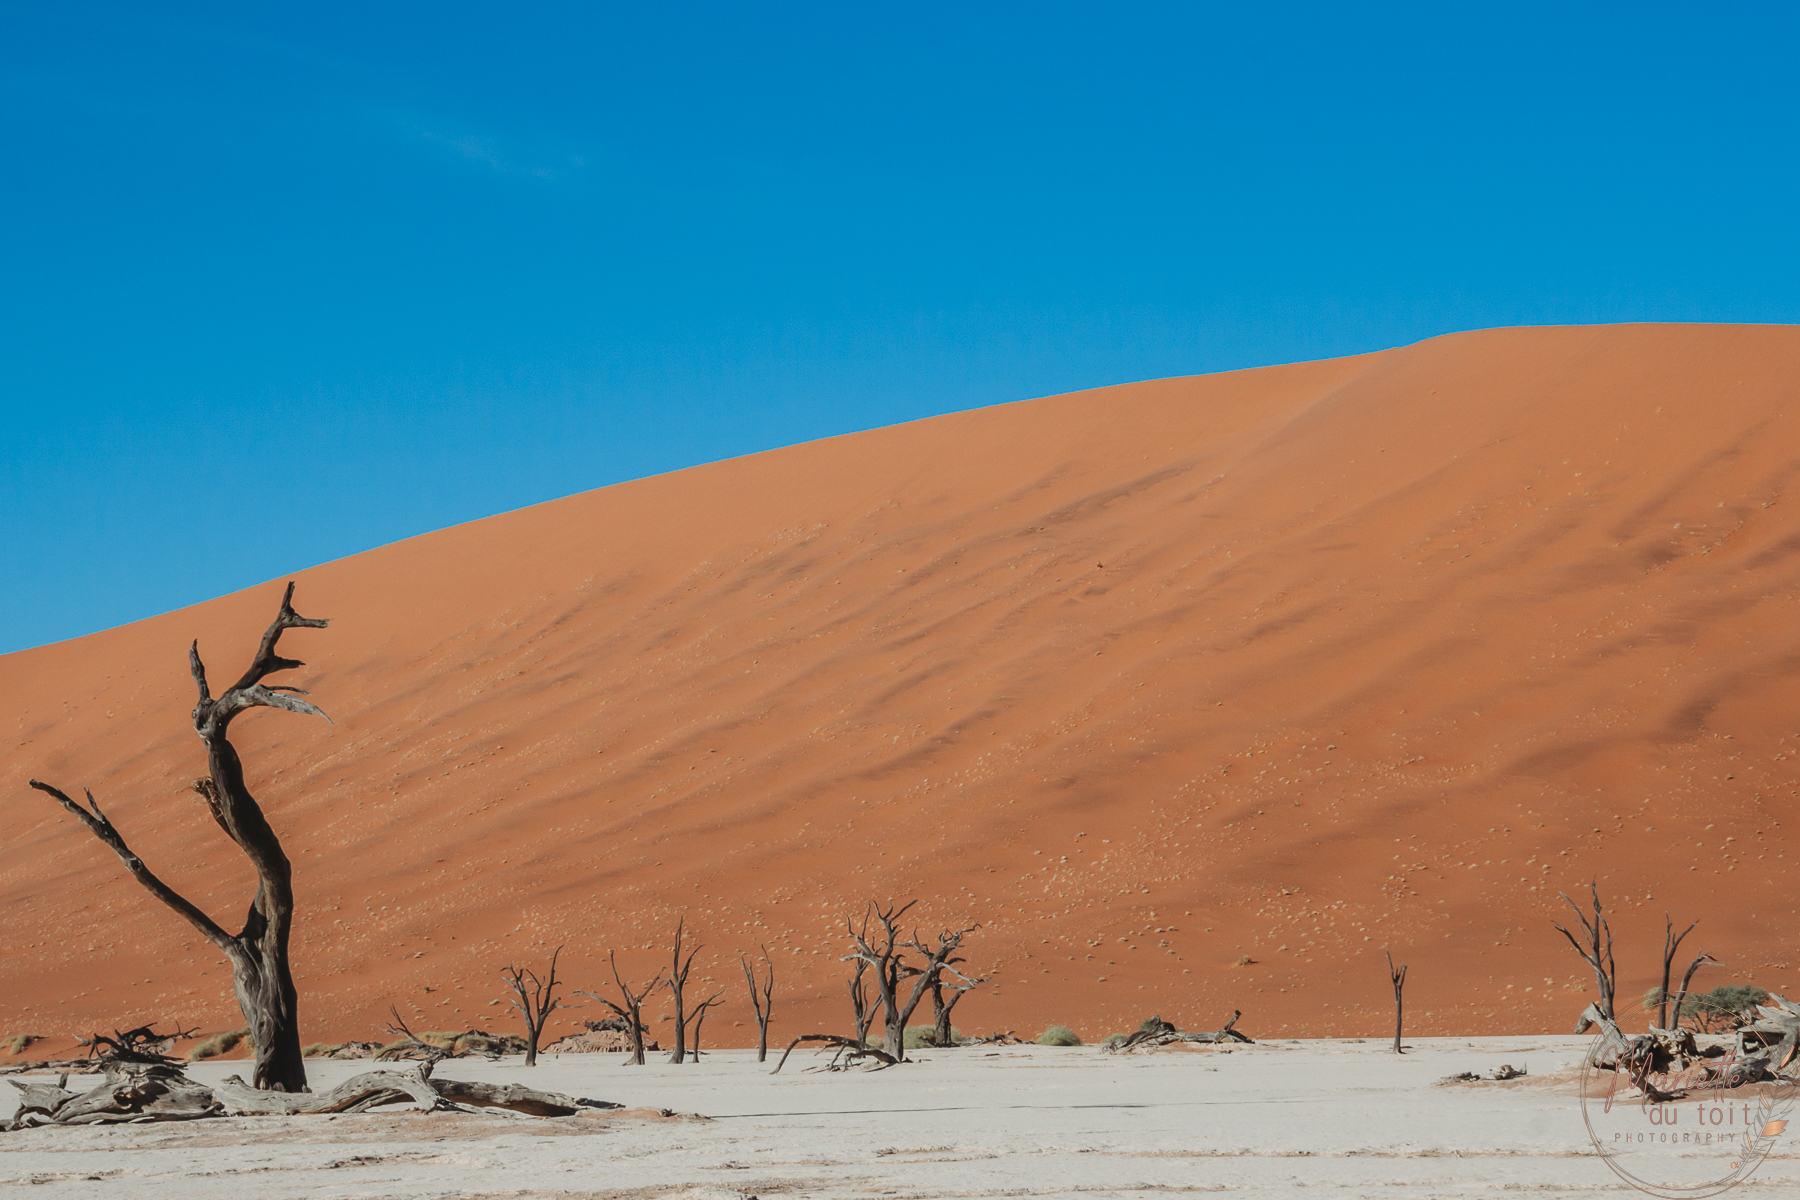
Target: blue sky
(283, 282)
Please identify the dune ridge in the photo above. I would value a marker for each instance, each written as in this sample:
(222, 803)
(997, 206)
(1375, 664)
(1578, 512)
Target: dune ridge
(1297, 663)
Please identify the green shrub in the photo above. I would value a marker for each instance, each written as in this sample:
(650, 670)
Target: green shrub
(217, 1044)
(1731, 999)
(16, 1043)
(1058, 1035)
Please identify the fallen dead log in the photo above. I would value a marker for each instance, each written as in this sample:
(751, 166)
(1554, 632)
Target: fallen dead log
(1162, 1033)
(356, 1094)
(848, 1051)
(160, 1092)
(133, 1091)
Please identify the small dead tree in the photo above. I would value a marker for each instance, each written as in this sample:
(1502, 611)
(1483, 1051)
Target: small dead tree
(258, 953)
(885, 955)
(1700, 960)
(631, 1008)
(1671, 944)
(762, 999)
(677, 985)
(940, 1006)
(699, 1019)
(1596, 950)
(1396, 976)
(535, 999)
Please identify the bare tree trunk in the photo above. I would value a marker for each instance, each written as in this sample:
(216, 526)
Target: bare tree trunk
(534, 1005)
(1397, 976)
(764, 1003)
(261, 976)
(859, 1001)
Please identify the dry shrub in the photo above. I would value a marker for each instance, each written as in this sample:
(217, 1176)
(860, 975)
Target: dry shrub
(218, 1043)
(1058, 1035)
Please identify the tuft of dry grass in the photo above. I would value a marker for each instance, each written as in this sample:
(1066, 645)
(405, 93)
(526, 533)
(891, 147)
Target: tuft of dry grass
(218, 1043)
(17, 1042)
(321, 1049)
(1058, 1035)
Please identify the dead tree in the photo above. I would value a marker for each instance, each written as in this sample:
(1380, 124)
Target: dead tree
(1700, 960)
(1671, 943)
(762, 999)
(940, 1007)
(885, 955)
(677, 985)
(410, 1045)
(631, 1011)
(699, 1018)
(258, 953)
(1397, 976)
(535, 999)
(1598, 954)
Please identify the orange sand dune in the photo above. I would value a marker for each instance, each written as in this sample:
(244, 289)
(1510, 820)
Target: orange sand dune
(1298, 663)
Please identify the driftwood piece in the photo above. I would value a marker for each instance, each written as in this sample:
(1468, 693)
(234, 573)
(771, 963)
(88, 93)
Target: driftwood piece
(1162, 1033)
(848, 1051)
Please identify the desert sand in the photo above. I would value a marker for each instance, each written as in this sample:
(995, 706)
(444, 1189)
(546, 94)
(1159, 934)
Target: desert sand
(1298, 663)
(1273, 1120)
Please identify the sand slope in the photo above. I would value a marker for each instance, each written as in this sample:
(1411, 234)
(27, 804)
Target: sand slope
(1297, 663)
